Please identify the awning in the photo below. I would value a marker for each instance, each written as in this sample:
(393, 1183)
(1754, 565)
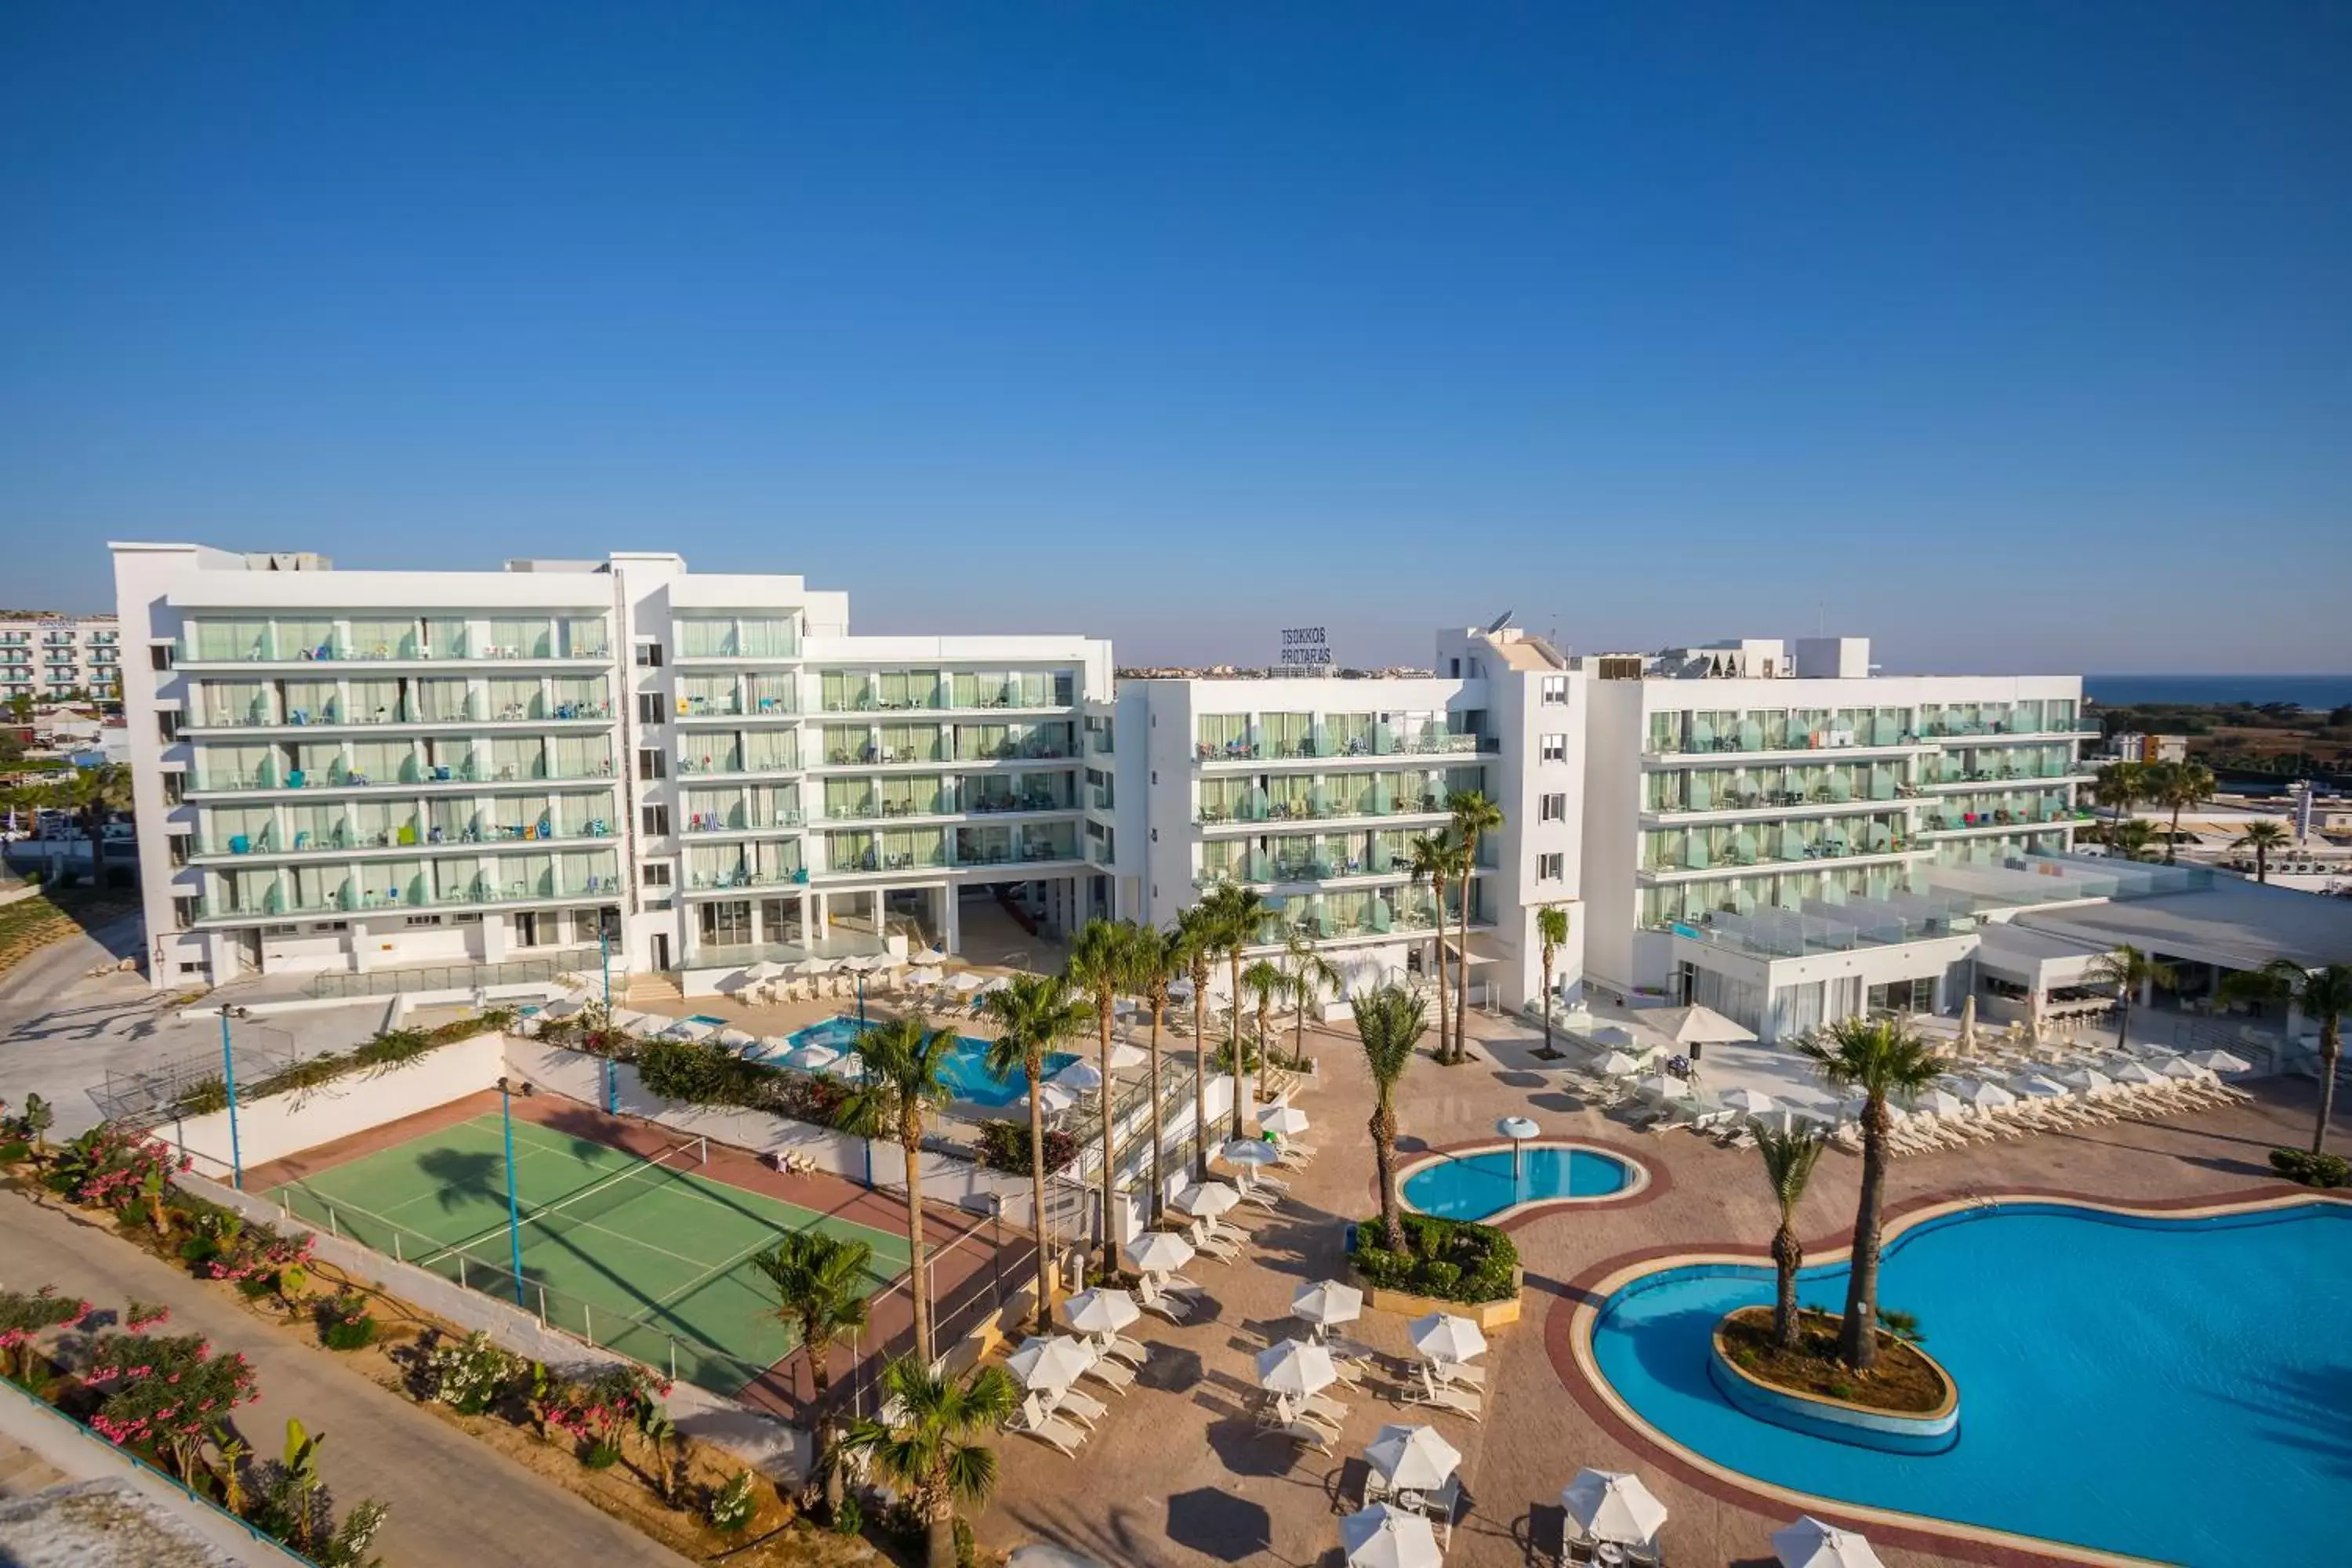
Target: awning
(1483, 949)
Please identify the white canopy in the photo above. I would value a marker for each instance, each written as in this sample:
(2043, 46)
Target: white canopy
(1613, 1504)
(2138, 1072)
(1810, 1543)
(866, 962)
(2220, 1061)
(1295, 1366)
(1328, 1302)
(1696, 1026)
(1750, 1102)
(2090, 1080)
(1940, 1102)
(1125, 1057)
(1988, 1095)
(1159, 1252)
(1417, 1458)
(1288, 1121)
(1658, 1086)
(1616, 1064)
(928, 955)
(993, 984)
(926, 974)
(766, 969)
(1053, 1099)
(850, 1064)
(965, 981)
(1101, 1310)
(1206, 1199)
(1518, 1128)
(1444, 1336)
(813, 965)
(1078, 1078)
(1249, 1152)
(1385, 1537)
(1055, 1363)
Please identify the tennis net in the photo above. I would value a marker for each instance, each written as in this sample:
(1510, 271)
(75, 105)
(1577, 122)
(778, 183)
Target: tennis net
(599, 1197)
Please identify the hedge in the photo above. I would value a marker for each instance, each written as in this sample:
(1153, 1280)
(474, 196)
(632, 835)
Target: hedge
(1452, 1260)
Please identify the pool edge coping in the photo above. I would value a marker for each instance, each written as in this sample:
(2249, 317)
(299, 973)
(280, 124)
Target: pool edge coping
(1636, 1188)
(1567, 1343)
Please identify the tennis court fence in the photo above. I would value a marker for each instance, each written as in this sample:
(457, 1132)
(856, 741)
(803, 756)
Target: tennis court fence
(999, 1278)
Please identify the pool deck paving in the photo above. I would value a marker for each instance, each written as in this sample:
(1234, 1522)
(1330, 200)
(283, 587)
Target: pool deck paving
(1178, 1474)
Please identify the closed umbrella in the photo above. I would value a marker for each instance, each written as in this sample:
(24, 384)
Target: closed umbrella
(1295, 1367)
(1445, 1336)
(1385, 1537)
(1613, 1504)
(1967, 1044)
(1810, 1543)
(1328, 1303)
(1159, 1252)
(1414, 1459)
(1055, 1363)
(1288, 1121)
(1101, 1310)
(1206, 1200)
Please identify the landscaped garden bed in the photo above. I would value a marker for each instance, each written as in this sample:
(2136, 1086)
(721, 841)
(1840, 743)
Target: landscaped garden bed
(1445, 1264)
(1904, 1382)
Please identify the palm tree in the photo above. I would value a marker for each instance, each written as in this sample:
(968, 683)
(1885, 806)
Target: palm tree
(1474, 814)
(2130, 971)
(2323, 994)
(1311, 975)
(1789, 1159)
(1234, 914)
(1264, 982)
(1033, 1013)
(2118, 786)
(95, 795)
(1196, 938)
(903, 1060)
(821, 1288)
(1430, 860)
(1389, 1022)
(2134, 836)
(2262, 837)
(2181, 785)
(1101, 958)
(1157, 958)
(1551, 931)
(1883, 1059)
(926, 1446)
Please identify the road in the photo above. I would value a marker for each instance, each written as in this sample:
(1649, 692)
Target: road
(452, 1500)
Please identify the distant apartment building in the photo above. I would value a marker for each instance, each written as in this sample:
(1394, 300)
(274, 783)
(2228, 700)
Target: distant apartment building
(51, 657)
(340, 772)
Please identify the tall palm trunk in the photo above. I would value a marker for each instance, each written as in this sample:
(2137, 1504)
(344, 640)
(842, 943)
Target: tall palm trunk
(2262, 865)
(2123, 994)
(2172, 839)
(1788, 1257)
(1462, 957)
(1858, 1340)
(1034, 1070)
(1200, 1073)
(918, 1283)
(1445, 1032)
(1548, 1047)
(1110, 1176)
(1384, 1131)
(2331, 1051)
(938, 1525)
(1158, 1174)
(1241, 1062)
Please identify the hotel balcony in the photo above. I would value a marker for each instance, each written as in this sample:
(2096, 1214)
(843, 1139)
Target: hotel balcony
(1255, 750)
(1769, 806)
(1964, 824)
(1897, 850)
(278, 903)
(215, 848)
(1256, 816)
(266, 658)
(734, 765)
(221, 783)
(503, 717)
(742, 824)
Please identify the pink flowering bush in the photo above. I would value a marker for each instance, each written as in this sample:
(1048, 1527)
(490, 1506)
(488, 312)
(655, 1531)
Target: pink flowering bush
(599, 1409)
(24, 1317)
(108, 1167)
(165, 1393)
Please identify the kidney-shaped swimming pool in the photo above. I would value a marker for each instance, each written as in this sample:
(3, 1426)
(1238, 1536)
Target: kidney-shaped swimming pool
(2168, 1388)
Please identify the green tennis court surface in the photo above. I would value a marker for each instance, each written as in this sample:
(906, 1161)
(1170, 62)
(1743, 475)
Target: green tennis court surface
(643, 1255)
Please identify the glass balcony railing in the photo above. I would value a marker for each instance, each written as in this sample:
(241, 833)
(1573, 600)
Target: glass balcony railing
(344, 839)
(746, 877)
(217, 780)
(349, 901)
(739, 821)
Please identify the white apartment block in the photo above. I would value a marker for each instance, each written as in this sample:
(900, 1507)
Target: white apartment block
(1789, 838)
(343, 772)
(50, 657)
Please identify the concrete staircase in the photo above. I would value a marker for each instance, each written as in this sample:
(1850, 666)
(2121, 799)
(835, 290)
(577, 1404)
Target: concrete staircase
(653, 991)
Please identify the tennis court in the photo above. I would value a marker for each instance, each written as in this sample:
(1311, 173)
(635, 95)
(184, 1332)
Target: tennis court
(646, 1256)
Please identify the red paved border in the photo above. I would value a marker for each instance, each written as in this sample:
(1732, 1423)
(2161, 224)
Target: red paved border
(1661, 1180)
(1558, 1328)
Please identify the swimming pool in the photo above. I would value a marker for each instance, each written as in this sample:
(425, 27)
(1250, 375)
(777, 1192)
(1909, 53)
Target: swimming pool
(2168, 1388)
(965, 1068)
(706, 1018)
(1480, 1186)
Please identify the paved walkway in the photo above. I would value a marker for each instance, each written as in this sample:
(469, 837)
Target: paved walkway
(452, 1500)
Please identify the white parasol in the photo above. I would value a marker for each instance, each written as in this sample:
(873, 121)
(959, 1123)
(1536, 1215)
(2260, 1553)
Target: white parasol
(1810, 1543)
(928, 955)
(1696, 1026)
(1612, 1505)
(1078, 1078)
(1295, 1367)
(766, 969)
(1328, 1303)
(848, 1064)
(1385, 1537)
(1288, 1121)
(813, 965)
(926, 974)
(1246, 1151)
(1750, 1102)
(965, 981)
(1206, 1199)
(1939, 1102)
(1159, 1252)
(2090, 1080)
(1125, 1057)
(1988, 1095)
(2138, 1073)
(2219, 1061)
(1101, 1310)
(1616, 1064)
(1413, 1459)
(1053, 1099)
(1445, 1336)
(1055, 1363)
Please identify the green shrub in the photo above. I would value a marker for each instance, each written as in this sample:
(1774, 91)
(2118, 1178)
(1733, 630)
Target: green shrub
(2312, 1170)
(1452, 1260)
(1004, 1146)
(14, 1151)
(344, 1324)
(1382, 1267)
(601, 1455)
(470, 1374)
(732, 1505)
(703, 1074)
(1437, 1278)
(967, 1545)
(850, 1516)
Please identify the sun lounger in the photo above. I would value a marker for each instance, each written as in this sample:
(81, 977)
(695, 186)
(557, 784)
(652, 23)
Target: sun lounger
(1151, 1298)
(1460, 1372)
(1135, 1352)
(1213, 1246)
(1324, 1406)
(1303, 1433)
(1111, 1373)
(1081, 1407)
(1426, 1390)
(1032, 1421)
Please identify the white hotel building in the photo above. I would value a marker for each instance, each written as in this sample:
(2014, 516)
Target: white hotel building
(50, 657)
(384, 771)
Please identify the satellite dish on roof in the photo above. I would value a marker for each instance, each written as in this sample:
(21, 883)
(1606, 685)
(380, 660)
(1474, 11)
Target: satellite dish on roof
(1500, 622)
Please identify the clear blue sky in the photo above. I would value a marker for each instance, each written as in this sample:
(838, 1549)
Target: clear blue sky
(2016, 336)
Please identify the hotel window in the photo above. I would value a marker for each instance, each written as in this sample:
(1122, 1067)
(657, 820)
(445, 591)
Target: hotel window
(650, 707)
(1551, 867)
(649, 656)
(1552, 808)
(650, 764)
(1555, 690)
(655, 819)
(1555, 748)
(656, 873)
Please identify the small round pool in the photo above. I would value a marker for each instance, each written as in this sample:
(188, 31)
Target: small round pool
(1480, 1185)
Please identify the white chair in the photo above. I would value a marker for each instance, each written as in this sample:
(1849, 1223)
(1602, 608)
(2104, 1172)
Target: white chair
(1151, 1298)
(1081, 1407)
(1428, 1391)
(1113, 1374)
(1459, 1373)
(1033, 1421)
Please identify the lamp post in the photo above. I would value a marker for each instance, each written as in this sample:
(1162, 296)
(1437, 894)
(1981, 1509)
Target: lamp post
(228, 1080)
(508, 1089)
(612, 1068)
(1518, 1130)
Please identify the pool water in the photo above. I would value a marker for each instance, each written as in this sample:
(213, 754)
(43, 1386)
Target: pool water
(1473, 1186)
(2175, 1389)
(965, 1068)
(706, 1018)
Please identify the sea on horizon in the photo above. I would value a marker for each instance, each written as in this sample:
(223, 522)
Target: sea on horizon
(2321, 692)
